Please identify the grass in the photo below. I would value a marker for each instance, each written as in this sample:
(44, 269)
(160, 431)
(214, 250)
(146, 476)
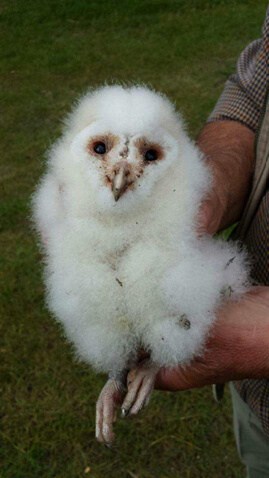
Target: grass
(51, 52)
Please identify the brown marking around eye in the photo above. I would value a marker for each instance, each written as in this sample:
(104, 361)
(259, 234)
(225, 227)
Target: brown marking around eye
(109, 140)
(143, 145)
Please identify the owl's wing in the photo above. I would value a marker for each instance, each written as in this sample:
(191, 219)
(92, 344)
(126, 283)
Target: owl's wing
(193, 289)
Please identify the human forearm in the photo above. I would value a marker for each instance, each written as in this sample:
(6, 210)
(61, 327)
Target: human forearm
(238, 347)
(229, 150)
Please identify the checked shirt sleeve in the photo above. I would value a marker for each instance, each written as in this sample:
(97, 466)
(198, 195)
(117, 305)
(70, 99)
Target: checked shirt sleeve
(245, 91)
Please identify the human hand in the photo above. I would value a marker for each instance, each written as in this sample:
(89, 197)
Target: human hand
(237, 348)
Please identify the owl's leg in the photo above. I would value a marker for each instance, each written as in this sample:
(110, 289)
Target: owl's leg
(109, 400)
(140, 383)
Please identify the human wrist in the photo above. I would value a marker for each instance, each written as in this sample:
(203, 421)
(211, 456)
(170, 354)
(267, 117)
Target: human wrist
(240, 337)
(258, 334)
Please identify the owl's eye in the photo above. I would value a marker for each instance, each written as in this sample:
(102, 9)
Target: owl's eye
(99, 147)
(151, 155)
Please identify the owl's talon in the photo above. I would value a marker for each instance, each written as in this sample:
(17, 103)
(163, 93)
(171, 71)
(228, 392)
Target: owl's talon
(139, 389)
(109, 399)
(108, 445)
(124, 412)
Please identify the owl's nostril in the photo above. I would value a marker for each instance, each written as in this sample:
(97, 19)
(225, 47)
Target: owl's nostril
(122, 168)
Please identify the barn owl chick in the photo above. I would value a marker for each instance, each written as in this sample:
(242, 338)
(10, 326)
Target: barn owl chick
(125, 271)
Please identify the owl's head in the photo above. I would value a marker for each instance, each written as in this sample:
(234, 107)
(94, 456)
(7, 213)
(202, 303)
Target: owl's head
(119, 144)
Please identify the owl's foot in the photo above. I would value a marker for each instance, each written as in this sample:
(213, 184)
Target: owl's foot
(109, 400)
(140, 383)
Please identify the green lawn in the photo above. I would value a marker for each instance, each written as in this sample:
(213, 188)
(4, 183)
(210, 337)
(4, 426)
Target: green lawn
(51, 52)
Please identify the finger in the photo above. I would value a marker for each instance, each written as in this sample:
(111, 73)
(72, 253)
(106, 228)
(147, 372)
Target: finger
(143, 396)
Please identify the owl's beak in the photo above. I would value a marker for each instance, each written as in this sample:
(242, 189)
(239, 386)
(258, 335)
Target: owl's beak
(120, 181)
